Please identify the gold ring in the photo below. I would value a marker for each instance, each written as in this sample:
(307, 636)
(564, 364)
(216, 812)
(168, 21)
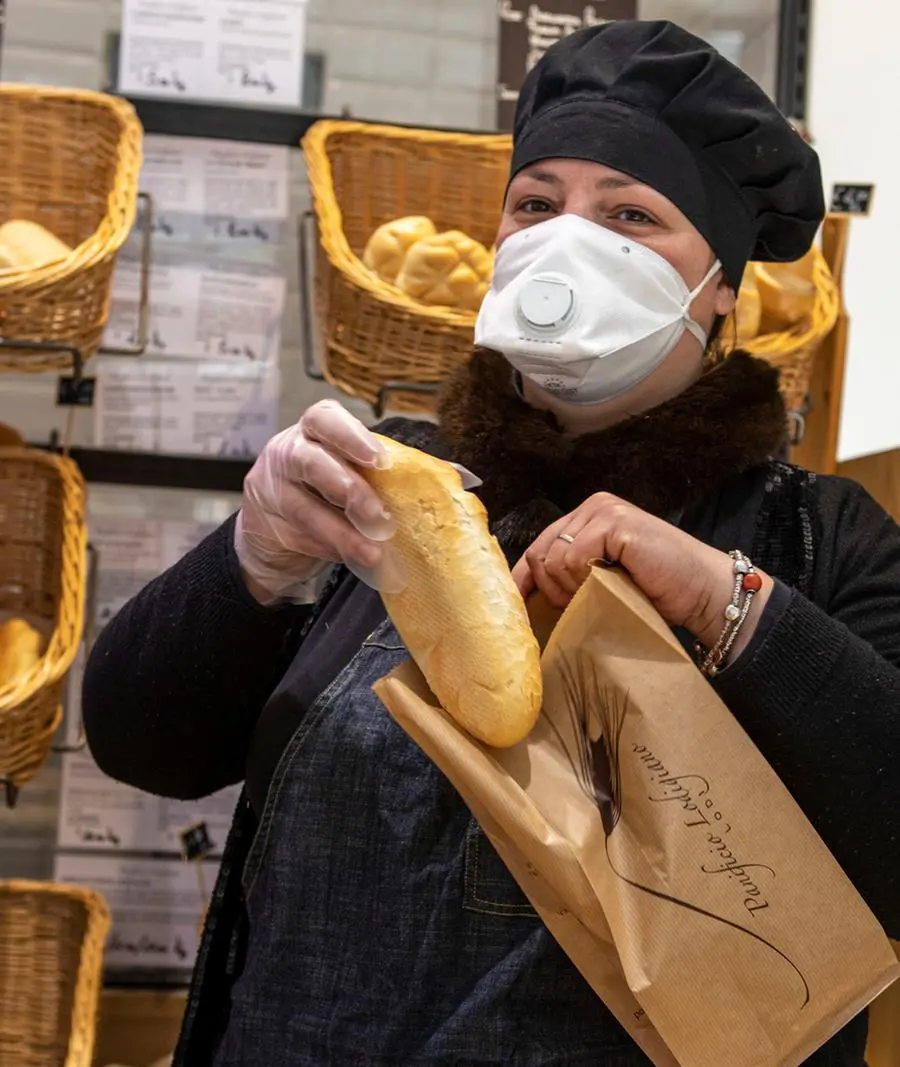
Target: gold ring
(568, 538)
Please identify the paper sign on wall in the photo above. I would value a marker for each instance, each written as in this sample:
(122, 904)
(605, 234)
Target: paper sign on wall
(226, 193)
(96, 812)
(157, 907)
(100, 814)
(119, 840)
(211, 409)
(199, 312)
(132, 551)
(250, 53)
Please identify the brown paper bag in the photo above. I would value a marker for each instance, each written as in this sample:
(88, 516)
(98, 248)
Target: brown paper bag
(660, 848)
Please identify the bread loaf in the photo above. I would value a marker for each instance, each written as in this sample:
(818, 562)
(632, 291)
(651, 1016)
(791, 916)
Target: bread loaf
(787, 292)
(9, 437)
(449, 269)
(748, 309)
(460, 614)
(387, 247)
(21, 647)
(28, 244)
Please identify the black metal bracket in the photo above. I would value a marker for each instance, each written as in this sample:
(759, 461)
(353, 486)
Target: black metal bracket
(143, 324)
(87, 637)
(793, 57)
(46, 348)
(796, 422)
(796, 427)
(306, 233)
(156, 470)
(232, 122)
(421, 388)
(236, 122)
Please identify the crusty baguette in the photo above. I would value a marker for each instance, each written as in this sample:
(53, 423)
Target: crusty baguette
(459, 614)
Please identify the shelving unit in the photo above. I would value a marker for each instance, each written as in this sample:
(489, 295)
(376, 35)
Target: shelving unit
(286, 127)
(195, 119)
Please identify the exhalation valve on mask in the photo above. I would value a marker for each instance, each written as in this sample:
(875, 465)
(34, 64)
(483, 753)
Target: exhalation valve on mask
(584, 312)
(547, 302)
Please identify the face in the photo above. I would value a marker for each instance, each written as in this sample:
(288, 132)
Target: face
(638, 212)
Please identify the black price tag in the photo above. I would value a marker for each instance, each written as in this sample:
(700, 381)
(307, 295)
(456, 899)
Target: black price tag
(75, 392)
(196, 842)
(851, 199)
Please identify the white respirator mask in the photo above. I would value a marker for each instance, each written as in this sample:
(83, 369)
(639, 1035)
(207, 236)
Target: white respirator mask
(585, 313)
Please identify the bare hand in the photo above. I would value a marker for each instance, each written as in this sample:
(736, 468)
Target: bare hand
(688, 582)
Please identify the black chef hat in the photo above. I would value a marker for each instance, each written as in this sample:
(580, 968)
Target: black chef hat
(661, 105)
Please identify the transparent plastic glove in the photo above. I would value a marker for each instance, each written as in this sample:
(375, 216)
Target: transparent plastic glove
(306, 505)
(469, 480)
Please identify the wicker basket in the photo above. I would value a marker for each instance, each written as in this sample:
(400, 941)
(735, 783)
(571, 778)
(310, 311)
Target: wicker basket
(51, 961)
(43, 572)
(69, 160)
(362, 176)
(793, 351)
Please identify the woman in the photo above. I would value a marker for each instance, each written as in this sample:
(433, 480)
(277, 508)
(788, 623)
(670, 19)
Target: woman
(361, 917)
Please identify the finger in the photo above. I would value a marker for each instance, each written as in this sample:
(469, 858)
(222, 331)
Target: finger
(282, 551)
(552, 590)
(540, 548)
(566, 560)
(570, 565)
(523, 578)
(389, 576)
(530, 570)
(342, 486)
(535, 560)
(333, 426)
(261, 486)
(310, 525)
(568, 571)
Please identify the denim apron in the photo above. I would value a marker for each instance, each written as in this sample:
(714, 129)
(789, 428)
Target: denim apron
(383, 927)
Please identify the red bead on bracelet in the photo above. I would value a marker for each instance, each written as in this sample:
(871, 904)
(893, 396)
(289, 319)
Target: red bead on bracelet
(752, 583)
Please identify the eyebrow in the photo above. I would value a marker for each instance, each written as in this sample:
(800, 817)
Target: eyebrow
(616, 183)
(549, 178)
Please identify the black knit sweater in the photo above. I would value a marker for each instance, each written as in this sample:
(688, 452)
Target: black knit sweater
(176, 682)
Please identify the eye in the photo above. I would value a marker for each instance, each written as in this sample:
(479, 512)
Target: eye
(634, 216)
(534, 205)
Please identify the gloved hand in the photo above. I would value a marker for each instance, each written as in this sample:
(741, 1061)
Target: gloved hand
(306, 505)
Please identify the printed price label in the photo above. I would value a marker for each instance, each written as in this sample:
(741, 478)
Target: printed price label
(75, 392)
(851, 199)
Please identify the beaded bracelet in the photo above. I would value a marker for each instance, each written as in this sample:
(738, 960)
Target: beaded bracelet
(747, 583)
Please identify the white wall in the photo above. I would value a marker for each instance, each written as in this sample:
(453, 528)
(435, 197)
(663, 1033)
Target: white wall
(852, 117)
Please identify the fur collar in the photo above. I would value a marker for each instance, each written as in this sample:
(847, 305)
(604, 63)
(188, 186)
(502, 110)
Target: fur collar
(731, 420)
